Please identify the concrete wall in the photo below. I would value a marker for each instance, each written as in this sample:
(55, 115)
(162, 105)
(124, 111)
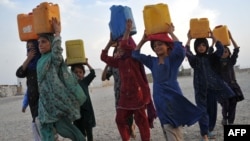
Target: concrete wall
(20, 88)
(9, 90)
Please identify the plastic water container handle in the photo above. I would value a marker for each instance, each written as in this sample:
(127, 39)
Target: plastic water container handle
(218, 26)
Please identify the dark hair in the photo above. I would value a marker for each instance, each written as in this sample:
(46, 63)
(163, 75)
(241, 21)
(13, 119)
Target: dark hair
(33, 41)
(198, 41)
(32, 64)
(226, 47)
(80, 66)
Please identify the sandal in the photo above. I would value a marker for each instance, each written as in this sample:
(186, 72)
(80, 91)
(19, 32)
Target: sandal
(211, 135)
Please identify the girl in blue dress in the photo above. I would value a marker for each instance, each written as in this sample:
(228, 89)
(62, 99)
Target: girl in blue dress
(173, 109)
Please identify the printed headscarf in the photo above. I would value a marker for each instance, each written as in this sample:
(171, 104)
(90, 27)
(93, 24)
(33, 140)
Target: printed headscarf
(48, 36)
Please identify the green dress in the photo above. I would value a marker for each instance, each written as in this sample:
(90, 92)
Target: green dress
(59, 89)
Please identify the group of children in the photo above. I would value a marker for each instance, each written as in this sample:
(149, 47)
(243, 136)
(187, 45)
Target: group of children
(60, 103)
(214, 81)
(58, 98)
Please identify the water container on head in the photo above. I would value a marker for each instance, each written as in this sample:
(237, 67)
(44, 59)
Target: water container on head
(75, 53)
(43, 15)
(156, 18)
(117, 25)
(26, 27)
(199, 27)
(220, 32)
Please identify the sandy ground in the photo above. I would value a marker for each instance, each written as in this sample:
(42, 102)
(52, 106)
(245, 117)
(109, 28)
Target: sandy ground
(16, 126)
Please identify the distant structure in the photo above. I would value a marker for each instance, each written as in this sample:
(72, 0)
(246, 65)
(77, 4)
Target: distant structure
(20, 87)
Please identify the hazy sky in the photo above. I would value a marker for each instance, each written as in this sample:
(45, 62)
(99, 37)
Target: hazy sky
(88, 20)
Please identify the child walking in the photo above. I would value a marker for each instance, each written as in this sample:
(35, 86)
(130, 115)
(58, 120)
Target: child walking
(134, 90)
(173, 109)
(60, 94)
(208, 85)
(106, 74)
(28, 70)
(87, 121)
(226, 70)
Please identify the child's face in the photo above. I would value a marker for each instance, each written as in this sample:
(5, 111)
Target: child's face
(160, 48)
(79, 73)
(30, 45)
(225, 53)
(119, 52)
(44, 45)
(202, 48)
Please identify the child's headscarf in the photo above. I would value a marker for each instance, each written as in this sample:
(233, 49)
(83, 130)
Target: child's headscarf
(48, 36)
(33, 62)
(197, 42)
(163, 37)
(128, 46)
(227, 48)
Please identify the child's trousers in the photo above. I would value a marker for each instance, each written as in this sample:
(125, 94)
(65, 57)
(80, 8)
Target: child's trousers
(35, 130)
(141, 121)
(172, 134)
(64, 127)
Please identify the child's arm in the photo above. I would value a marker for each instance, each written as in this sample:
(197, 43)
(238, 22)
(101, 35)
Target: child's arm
(90, 77)
(111, 61)
(234, 56)
(104, 73)
(171, 32)
(211, 48)
(141, 43)
(25, 101)
(88, 65)
(233, 41)
(30, 55)
(56, 49)
(213, 37)
(56, 27)
(189, 39)
(110, 43)
(128, 29)
(189, 54)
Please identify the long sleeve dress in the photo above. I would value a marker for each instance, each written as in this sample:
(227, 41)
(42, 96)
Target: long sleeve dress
(33, 93)
(58, 90)
(209, 87)
(134, 90)
(87, 119)
(228, 74)
(171, 106)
